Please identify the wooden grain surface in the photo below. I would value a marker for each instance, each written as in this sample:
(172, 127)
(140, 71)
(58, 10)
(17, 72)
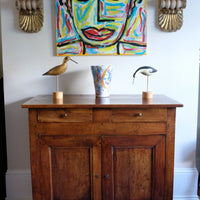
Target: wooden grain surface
(121, 149)
(74, 101)
(67, 166)
(65, 115)
(130, 172)
(101, 128)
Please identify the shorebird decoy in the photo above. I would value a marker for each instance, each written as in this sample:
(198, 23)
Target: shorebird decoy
(147, 71)
(56, 71)
(60, 69)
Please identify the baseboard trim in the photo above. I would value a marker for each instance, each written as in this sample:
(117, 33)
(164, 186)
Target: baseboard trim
(21, 198)
(18, 184)
(185, 184)
(186, 198)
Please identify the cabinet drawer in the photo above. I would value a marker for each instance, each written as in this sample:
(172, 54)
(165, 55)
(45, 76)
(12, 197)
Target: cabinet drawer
(65, 115)
(140, 115)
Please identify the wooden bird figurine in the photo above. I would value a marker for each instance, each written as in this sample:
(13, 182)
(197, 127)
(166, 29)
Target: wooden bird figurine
(60, 69)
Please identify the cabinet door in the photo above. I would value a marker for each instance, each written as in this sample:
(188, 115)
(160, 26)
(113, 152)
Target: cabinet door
(133, 167)
(70, 168)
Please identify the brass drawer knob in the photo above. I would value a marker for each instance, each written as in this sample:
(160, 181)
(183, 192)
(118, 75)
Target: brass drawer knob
(64, 115)
(138, 114)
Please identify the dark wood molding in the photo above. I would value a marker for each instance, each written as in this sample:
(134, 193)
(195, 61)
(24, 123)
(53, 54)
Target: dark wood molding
(3, 156)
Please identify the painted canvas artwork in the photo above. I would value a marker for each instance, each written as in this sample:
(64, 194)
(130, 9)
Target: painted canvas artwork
(101, 27)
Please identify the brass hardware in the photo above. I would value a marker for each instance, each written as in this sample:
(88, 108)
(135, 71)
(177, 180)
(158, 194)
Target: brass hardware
(64, 115)
(170, 17)
(31, 15)
(138, 115)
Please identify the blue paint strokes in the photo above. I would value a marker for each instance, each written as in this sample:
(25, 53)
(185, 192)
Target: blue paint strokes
(108, 9)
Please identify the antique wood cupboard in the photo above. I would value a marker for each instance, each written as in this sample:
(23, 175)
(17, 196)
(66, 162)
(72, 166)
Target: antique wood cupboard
(117, 148)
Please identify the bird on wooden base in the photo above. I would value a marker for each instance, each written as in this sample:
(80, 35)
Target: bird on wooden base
(145, 70)
(58, 70)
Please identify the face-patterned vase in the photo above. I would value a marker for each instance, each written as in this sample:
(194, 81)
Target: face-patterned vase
(102, 80)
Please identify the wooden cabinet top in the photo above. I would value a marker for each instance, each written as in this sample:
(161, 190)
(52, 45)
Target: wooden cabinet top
(90, 101)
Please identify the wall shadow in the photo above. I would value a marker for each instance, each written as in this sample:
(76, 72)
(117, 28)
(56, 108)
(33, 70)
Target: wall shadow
(198, 136)
(17, 135)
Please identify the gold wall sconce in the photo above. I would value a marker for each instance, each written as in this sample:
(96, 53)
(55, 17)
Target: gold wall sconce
(31, 15)
(170, 17)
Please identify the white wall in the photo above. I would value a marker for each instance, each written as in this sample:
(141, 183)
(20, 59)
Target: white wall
(27, 56)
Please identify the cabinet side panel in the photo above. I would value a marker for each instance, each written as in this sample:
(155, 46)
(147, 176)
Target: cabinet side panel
(170, 137)
(158, 172)
(34, 155)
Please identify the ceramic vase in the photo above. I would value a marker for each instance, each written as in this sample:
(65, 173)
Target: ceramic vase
(102, 80)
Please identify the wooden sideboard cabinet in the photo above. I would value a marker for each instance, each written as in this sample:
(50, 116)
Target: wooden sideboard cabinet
(117, 148)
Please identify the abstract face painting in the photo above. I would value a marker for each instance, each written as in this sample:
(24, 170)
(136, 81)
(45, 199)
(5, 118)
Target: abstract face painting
(101, 27)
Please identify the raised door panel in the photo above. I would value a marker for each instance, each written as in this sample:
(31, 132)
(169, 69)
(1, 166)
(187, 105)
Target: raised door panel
(133, 167)
(70, 168)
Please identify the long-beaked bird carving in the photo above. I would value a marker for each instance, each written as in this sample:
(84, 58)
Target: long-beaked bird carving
(59, 69)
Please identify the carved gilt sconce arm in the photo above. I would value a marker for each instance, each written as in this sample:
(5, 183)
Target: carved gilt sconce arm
(170, 17)
(31, 15)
